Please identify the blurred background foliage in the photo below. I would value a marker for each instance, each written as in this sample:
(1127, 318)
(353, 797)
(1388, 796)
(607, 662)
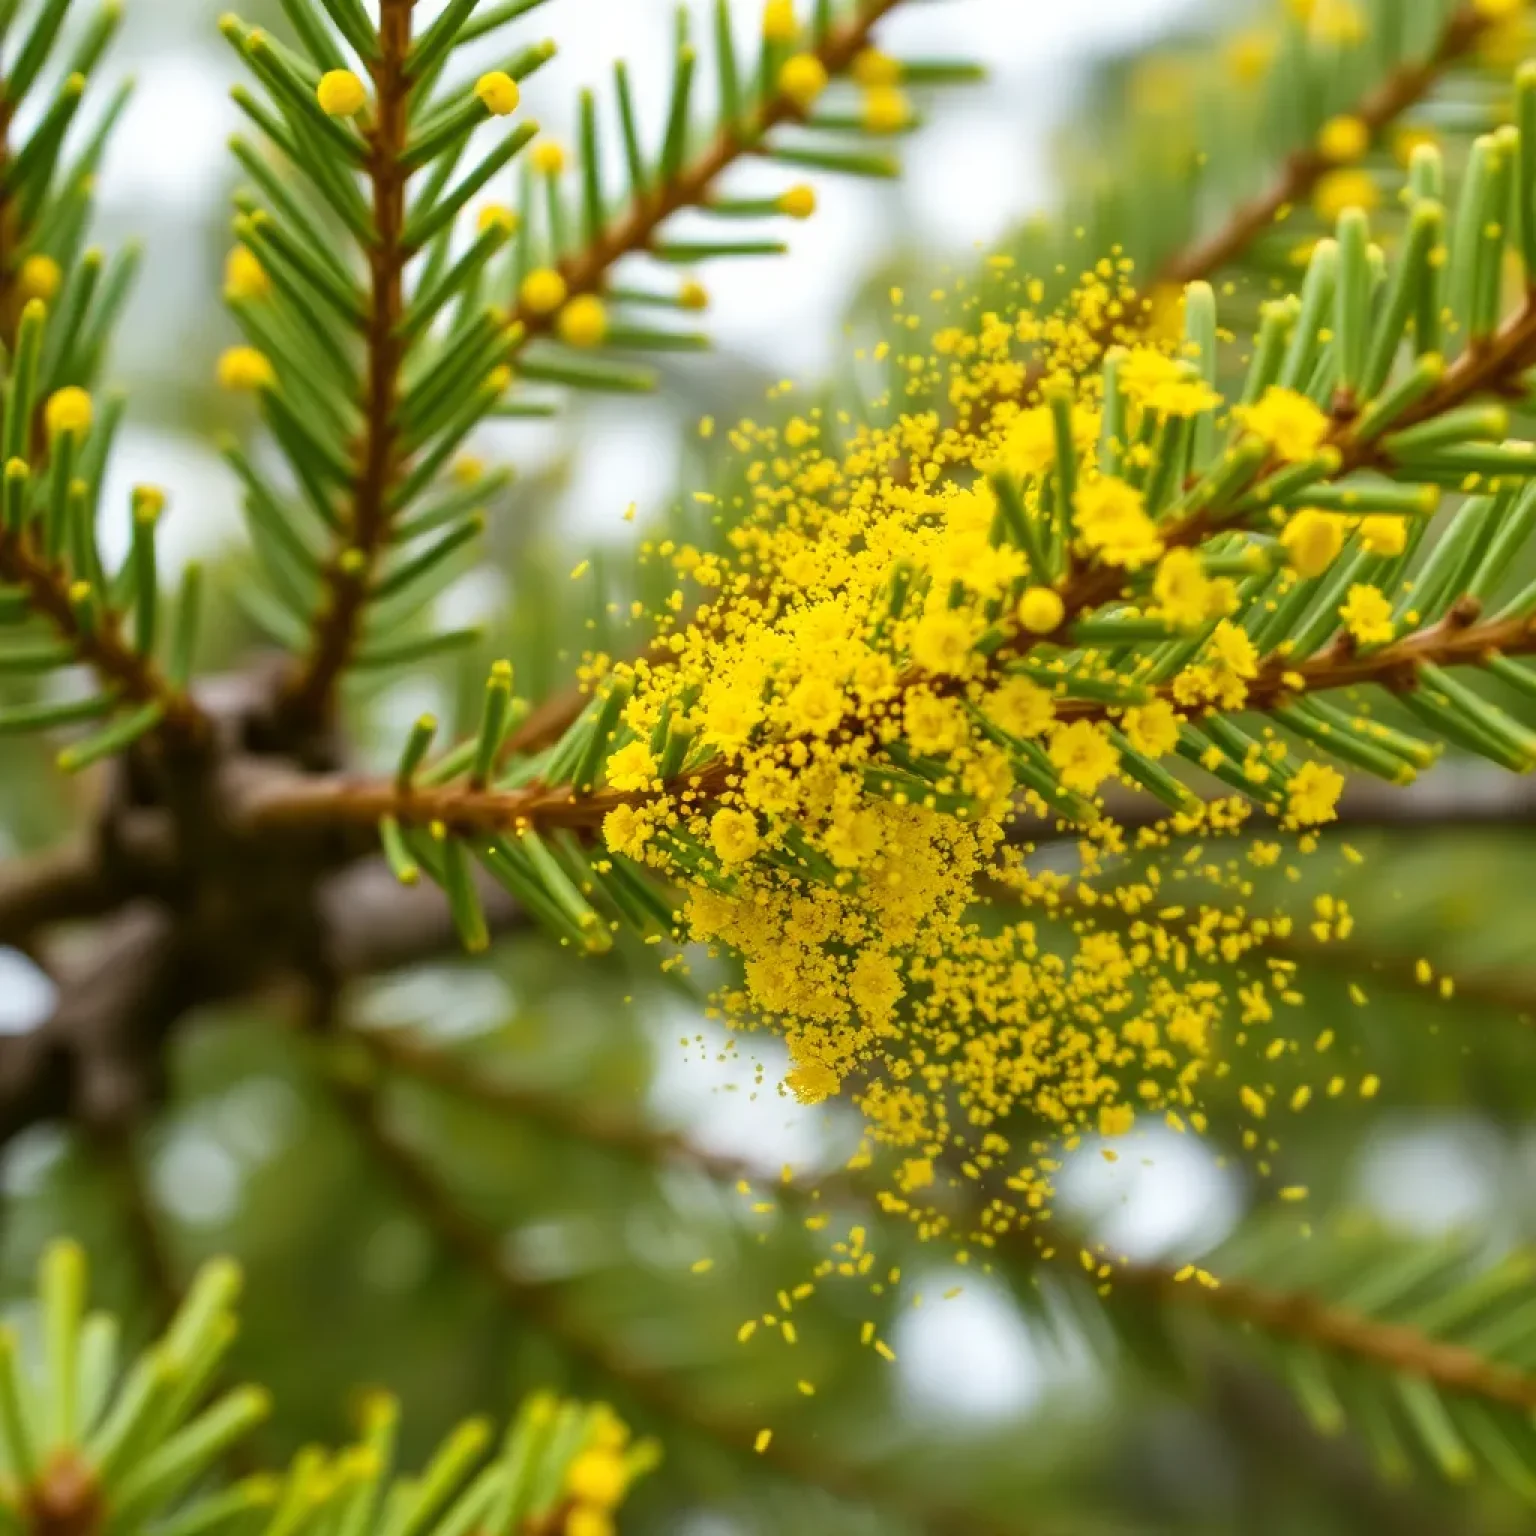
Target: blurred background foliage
(477, 1179)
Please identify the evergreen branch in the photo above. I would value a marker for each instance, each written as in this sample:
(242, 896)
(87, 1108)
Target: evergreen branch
(341, 800)
(91, 627)
(1300, 1316)
(1457, 640)
(1412, 1334)
(349, 579)
(1493, 366)
(133, 677)
(462, 1235)
(349, 576)
(587, 271)
(1387, 101)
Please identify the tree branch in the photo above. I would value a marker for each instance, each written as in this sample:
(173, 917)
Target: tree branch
(1302, 1315)
(97, 1060)
(62, 885)
(461, 1234)
(348, 578)
(1404, 88)
(1341, 1331)
(587, 270)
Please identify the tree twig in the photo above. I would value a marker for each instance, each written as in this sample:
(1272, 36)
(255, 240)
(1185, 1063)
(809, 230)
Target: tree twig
(1403, 89)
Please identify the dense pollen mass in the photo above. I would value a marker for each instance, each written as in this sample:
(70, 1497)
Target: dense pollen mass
(865, 749)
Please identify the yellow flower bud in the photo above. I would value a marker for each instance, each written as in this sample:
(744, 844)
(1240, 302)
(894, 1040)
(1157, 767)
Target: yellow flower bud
(497, 216)
(779, 24)
(341, 93)
(543, 291)
(1313, 541)
(1384, 535)
(1041, 610)
(597, 1477)
(1343, 138)
(68, 410)
(799, 202)
(548, 157)
(244, 276)
(39, 278)
(693, 294)
(499, 378)
(886, 110)
(803, 78)
(584, 1520)
(584, 322)
(245, 368)
(498, 93)
(148, 502)
(873, 69)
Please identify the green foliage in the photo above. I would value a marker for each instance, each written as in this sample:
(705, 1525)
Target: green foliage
(88, 1443)
(516, 1203)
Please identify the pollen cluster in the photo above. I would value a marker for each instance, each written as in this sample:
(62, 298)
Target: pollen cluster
(868, 755)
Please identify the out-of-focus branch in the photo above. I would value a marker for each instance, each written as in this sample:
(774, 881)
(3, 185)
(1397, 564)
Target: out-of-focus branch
(120, 1156)
(1403, 89)
(1295, 1314)
(97, 1059)
(404, 1052)
(1338, 1331)
(47, 888)
(462, 1235)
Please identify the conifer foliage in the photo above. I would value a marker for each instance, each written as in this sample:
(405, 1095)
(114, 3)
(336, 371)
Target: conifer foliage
(981, 744)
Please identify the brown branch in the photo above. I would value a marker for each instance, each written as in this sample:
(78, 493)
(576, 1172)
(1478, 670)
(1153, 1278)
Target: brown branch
(348, 578)
(1306, 1318)
(462, 1235)
(132, 678)
(62, 885)
(318, 801)
(1451, 643)
(1403, 89)
(97, 1060)
(1298, 1315)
